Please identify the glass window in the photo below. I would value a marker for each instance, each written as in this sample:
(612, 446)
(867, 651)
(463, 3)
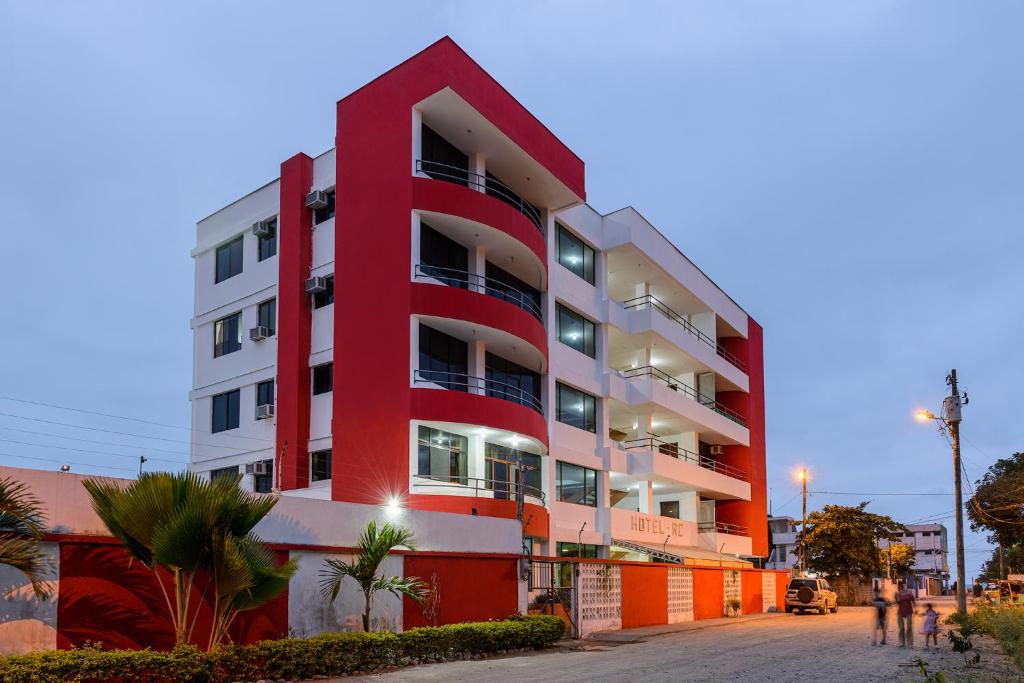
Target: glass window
(227, 335)
(320, 465)
(442, 159)
(576, 550)
(440, 255)
(225, 411)
(574, 254)
(223, 472)
(576, 484)
(267, 315)
(326, 213)
(670, 508)
(575, 331)
(441, 455)
(267, 246)
(511, 381)
(443, 359)
(323, 378)
(504, 285)
(264, 483)
(326, 297)
(265, 393)
(576, 408)
(229, 259)
(508, 465)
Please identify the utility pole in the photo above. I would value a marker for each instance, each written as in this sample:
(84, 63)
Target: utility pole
(952, 405)
(142, 459)
(1002, 563)
(803, 525)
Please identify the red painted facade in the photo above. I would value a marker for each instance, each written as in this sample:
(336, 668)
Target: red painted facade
(644, 595)
(469, 589)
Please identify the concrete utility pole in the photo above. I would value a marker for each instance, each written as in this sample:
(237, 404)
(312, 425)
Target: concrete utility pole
(952, 405)
(803, 525)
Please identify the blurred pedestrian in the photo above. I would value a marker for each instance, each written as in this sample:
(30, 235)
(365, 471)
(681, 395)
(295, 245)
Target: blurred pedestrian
(905, 601)
(881, 611)
(931, 626)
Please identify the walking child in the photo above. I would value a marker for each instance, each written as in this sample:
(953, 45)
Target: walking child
(931, 626)
(881, 610)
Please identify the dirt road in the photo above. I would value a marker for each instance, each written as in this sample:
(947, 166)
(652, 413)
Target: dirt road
(786, 647)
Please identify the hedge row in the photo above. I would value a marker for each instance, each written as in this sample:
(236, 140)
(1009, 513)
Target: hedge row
(330, 654)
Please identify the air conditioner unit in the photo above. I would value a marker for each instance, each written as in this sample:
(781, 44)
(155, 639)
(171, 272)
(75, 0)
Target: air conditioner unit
(718, 450)
(259, 333)
(263, 229)
(256, 468)
(265, 411)
(317, 199)
(315, 285)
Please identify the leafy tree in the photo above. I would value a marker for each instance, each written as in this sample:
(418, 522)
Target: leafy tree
(843, 541)
(374, 546)
(898, 557)
(22, 526)
(1013, 562)
(997, 505)
(195, 529)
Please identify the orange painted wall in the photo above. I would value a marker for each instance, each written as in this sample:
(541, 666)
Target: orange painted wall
(470, 589)
(781, 582)
(753, 592)
(708, 594)
(644, 595)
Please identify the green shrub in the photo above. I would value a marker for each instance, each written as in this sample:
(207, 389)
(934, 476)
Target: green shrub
(329, 654)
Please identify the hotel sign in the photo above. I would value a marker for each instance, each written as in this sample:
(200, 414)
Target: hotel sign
(643, 528)
(661, 526)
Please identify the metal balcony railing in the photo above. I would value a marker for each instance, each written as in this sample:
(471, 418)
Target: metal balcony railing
(458, 381)
(492, 186)
(484, 285)
(648, 301)
(489, 488)
(676, 451)
(722, 528)
(685, 389)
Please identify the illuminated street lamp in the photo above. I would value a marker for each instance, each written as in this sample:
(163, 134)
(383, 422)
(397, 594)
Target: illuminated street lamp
(801, 474)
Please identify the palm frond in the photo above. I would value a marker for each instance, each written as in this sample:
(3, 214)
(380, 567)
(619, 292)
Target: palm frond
(20, 511)
(332, 575)
(412, 586)
(25, 554)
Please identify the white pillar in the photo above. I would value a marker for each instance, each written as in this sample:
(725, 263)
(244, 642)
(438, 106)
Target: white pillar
(646, 495)
(478, 166)
(478, 261)
(477, 362)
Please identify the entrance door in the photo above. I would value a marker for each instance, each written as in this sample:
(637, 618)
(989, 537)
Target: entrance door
(503, 477)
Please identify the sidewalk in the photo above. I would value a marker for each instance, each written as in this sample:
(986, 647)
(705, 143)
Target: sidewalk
(633, 635)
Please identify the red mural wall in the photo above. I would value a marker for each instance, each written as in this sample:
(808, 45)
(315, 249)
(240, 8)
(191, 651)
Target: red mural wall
(106, 598)
(644, 595)
(469, 588)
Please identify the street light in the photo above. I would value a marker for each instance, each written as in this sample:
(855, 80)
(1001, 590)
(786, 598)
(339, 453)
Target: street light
(801, 474)
(950, 419)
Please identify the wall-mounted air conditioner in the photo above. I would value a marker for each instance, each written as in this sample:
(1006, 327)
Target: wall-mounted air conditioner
(317, 199)
(315, 285)
(263, 229)
(265, 411)
(256, 468)
(718, 450)
(259, 333)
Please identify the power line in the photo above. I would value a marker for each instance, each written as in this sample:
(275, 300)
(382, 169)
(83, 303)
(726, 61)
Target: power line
(65, 462)
(102, 443)
(82, 450)
(854, 493)
(121, 417)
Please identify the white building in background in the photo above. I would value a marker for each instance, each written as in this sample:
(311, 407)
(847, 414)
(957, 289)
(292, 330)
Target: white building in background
(782, 537)
(931, 553)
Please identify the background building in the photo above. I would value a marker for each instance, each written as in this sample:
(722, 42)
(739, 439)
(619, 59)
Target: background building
(782, 533)
(429, 316)
(931, 556)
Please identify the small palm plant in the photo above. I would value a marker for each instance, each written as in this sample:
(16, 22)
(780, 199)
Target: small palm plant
(195, 529)
(22, 525)
(374, 545)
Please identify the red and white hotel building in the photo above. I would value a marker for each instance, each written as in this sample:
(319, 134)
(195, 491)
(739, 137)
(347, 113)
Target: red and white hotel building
(430, 316)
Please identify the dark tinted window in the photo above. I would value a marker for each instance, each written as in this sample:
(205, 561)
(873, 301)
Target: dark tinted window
(227, 335)
(225, 411)
(441, 455)
(574, 254)
(323, 378)
(576, 484)
(443, 359)
(575, 331)
(265, 393)
(264, 483)
(222, 472)
(326, 213)
(442, 159)
(511, 381)
(320, 465)
(229, 260)
(498, 461)
(576, 550)
(326, 297)
(799, 583)
(267, 314)
(504, 285)
(439, 255)
(670, 508)
(267, 246)
(576, 408)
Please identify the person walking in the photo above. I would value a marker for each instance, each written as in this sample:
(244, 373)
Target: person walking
(931, 626)
(881, 611)
(905, 601)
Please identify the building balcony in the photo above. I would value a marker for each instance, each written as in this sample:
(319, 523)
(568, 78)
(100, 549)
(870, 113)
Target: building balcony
(732, 539)
(490, 186)
(475, 487)
(659, 461)
(684, 389)
(457, 381)
(480, 284)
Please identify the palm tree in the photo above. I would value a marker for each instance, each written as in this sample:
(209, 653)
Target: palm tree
(374, 545)
(194, 528)
(22, 525)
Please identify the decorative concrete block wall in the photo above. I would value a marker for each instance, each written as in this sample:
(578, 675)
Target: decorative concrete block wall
(680, 595)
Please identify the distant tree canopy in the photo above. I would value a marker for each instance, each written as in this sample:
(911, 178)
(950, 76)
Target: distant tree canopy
(997, 505)
(899, 557)
(1013, 563)
(843, 540)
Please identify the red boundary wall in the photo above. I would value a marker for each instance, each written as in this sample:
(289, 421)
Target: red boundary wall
(644, 595)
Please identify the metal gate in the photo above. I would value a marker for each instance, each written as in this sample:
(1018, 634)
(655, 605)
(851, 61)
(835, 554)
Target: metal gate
(552, 590)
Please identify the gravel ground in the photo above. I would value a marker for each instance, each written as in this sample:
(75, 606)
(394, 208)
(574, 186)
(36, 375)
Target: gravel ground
(787, 647)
